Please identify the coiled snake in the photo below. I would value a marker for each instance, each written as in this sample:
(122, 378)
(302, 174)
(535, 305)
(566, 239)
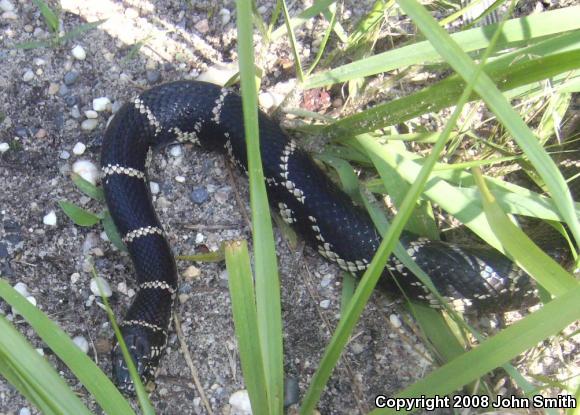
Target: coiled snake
(205, 114)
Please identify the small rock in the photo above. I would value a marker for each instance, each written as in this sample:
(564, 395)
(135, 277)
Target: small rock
(122, 287)
(199, 195)
(395, 321)
(22, 289)
(70, 100)
(81, 343)
(226, 16)
(62, 90)
(64, 155)
(326, 280)
(101, 104)
(104, 287)
(240, 402)
(131, 13)
(153, 77)
(79, 52)
(154, 187)
(87, 170)
(199, 238)
(9, 16)
(24, 411)
(71, 77)
(28, 76)
(325, 304)
(91, 114)
(3, 250)
(218, 74)
(79, 148)
(53, 88)
(41, 133)
(191, 272)
(183, 298)
(180, 179)
(202, 26)
(31, 300)
(4, 147)
(74, 278)
(291, 392)
(221, 196)
(89, 124)
(91, 241)
(175, 151)
(39, 61)
(49, 219)
(6, 6)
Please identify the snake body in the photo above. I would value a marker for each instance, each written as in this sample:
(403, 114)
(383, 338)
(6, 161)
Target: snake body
(205, 114)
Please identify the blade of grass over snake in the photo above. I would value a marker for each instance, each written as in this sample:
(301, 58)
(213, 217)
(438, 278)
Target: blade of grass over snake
(497, 350)
(515, 31)
(374, 271)
(521, 249)
(96, 382)
(504, 112)
(246, 322)
(266, 270)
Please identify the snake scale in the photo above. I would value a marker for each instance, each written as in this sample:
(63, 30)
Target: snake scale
(205, 114)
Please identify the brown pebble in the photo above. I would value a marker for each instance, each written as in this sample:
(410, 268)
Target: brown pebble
(41, 133)
(103, 345)
(53, 88)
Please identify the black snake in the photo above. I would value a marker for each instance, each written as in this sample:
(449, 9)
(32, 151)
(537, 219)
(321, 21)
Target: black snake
(205, 114)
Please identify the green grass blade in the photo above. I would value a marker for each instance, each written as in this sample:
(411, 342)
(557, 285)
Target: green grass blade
(494, 351)
(266, 270)
(77, 214)
(524, 252)
(88, 188)
(246, 322)
(444, 93)
(80, 29)
(317, 8)
(50, 16)
(39, 380)
(504, 112)
(112, 232)
(293, 46)
(80, 364)
(515, 31)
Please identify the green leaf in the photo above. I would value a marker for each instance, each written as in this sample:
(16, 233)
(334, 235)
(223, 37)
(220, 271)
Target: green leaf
(241, 285)
(31, 365)
(88, 188)
(49, 16)
(112, 232)
(77, 214)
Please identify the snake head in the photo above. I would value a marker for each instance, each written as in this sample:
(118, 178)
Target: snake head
(145, 348)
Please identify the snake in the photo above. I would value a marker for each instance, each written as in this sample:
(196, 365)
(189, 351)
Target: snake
(467, 276)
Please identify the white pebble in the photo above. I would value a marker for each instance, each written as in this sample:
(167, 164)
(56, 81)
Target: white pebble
(199, 238)
(269, 100)
(122, 287)
(4, 147)
(81, 343)
(31, 300)
(87, 170)
(175, 151)
(22, 289)
(79, 148)
(28, 76)
(89, 124)
(395, 321)
(226, 16)
(154, 186)
(6, 6)
(75, 277)
(180, 179)
(49, 219)
(325, 304)
(218, 74)
(24, 411)
(104, 286)
(101, 104)
(91, 114)
(40, 351)
(65, 155)
(240, 402)
(9, 16)
(39, 61)
(79, 53)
